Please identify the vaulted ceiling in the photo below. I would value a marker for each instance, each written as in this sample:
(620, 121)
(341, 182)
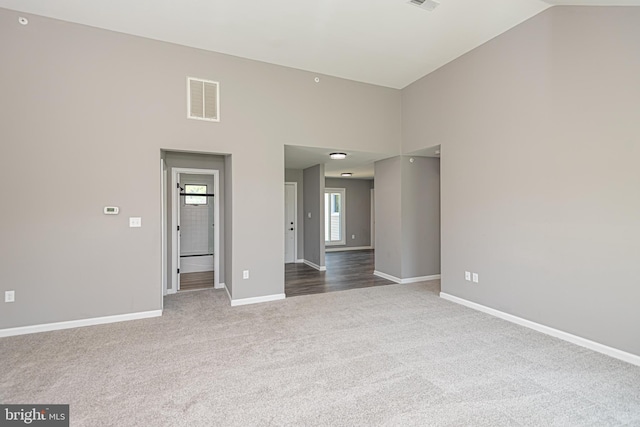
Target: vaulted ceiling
(384, 42)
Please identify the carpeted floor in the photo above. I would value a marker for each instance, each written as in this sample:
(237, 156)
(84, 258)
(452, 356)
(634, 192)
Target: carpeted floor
(391, 355)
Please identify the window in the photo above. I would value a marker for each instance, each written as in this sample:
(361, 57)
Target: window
(334, 216)
(195, 189)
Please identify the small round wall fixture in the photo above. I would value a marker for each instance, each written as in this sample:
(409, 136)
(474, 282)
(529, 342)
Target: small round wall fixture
(338, 156)
(23, 21)
(346, 174)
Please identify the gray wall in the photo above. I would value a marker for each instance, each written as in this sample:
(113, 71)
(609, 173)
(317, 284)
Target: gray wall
(388, 227)
(195, 161)
(540, 179)
(313, 203)
(111, 133)
(296, 175)
(420, 216)
(358, 210)
(407, 203)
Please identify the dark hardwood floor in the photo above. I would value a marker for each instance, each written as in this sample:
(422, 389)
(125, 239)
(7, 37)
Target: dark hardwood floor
(193, 281)
(345, 270)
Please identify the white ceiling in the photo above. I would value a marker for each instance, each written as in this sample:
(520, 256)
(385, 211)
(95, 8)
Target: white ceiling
(357, 162)
(385, 42)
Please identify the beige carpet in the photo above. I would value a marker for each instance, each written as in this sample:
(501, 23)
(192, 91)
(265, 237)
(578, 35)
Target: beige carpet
(392, 355)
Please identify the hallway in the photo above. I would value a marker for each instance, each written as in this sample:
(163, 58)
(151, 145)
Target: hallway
(345, 270)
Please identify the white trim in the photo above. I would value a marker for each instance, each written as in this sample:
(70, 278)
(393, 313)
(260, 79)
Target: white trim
(574, 339)
(163, 230)
(256, 300)
(175, 249)
(387, 276)
(372, 235)
(299, 261)
(219, 286)
(23, 330)
(295, 218)
(407, 280)
(348, 248)
(343, 215)
(314, 265)
(228, 294)
(419, 279)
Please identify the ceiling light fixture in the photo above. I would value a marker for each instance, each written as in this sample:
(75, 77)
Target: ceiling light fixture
(22, 20)
(338, 156)
(346, 174)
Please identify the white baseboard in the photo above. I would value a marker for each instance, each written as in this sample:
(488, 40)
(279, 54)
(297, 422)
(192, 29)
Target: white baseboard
(256, 300)
(23, 330)
(407, 280)
(420, 279)
(348, 248)
(316, 266)
(574, 339)
(219, 286)
(299, 261)
(386, 276)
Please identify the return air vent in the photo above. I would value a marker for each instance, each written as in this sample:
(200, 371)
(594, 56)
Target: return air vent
(203, 99)
(425, 4)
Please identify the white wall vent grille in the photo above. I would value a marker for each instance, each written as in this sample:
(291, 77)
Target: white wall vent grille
(425, 4)
(203, 101)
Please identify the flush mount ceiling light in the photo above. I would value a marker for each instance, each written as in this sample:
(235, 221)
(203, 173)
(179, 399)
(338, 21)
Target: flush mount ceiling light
(346, 174)
(23, 21)
(338, 156)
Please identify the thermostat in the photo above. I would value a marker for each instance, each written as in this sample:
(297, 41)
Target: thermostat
(111, 210)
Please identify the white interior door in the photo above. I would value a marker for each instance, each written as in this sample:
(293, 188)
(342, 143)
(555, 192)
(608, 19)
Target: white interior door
(290, 222)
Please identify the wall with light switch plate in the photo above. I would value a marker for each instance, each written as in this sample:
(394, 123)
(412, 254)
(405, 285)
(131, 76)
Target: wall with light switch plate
(540, 179)
(112, 136)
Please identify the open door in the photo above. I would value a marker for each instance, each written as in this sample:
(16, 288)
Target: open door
(195, 231)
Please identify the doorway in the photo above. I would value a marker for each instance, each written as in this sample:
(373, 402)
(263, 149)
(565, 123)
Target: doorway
(195, 229)
(290, 222)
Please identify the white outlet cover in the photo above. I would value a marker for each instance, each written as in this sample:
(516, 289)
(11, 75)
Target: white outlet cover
(467, 275)
(475, 277)
(9, 296)
(245, 274)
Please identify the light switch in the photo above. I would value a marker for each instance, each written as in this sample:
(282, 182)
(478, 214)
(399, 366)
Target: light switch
(475, 277)
(245, 274)
(135, 222)
(9, 296)
(309, 215)
(467, 276)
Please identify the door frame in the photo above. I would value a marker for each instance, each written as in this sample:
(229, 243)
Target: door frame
(175, 218)
(372, 235)
(295, 218)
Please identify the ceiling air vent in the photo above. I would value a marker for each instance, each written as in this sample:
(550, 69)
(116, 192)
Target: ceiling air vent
(425, 4)
(203, 99)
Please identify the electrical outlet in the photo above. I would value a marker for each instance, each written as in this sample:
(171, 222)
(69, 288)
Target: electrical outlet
(475, 277)
(467, 276)
(353, 237)
(9, 296)
(245, 274)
